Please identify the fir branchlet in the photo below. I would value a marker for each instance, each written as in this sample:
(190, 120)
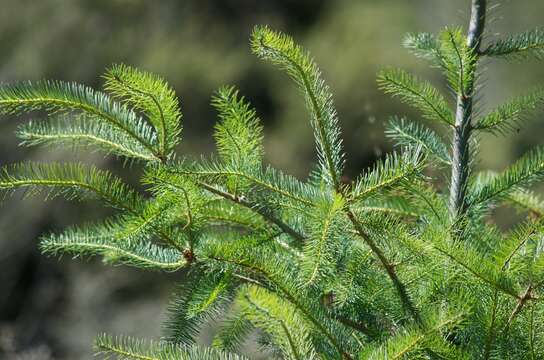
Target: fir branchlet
(417, 93)
(148, 93)
(239, 134)
(85, 132)
(424, 45)
(280, 49)
(518, 47)
(117, 243)
(412, 135)
(130, 348)
(509, 116)
(56, 96)
(526, 171)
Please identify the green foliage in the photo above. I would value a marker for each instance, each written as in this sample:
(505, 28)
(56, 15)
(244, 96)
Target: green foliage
(526, 200)
(519, 46)
(411, 135)
(510, 116)
(204, 297)
(118, 242)
(126, 348)
(315, 269)
(494, 271)
(423, 45)
(148, 93)
(280, 319)
(60, 97)
(239, 134)
(418, 344)
(449, 52)
(85, 132)
(457, 60)
(281, 50)
(70, 180)
(325, 234)
(395, 169)
(526, 171)
(417, 93)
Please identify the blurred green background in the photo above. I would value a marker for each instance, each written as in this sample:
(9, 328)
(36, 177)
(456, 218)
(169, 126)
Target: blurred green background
(51, 309)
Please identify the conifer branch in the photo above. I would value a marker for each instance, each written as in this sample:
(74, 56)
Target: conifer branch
(394, 170)
(461, 64)
(83, 131)
(115, 246)
(477, 274)
(201, 296)
(256, 208)
(510, 115)
(524, 237)
(283, 325)
(292, 299)
(388, 266)
(269, 179)
(410, 134)
(405, 344)
(524, 172)
(232, 334)
(51, 96)
(236, 199)
(323, 236)
(72, 180)
(527, 201)
(239, 133)
(126, 348)
(148, 93)
(423, 45)
(416, 92)
(281, 49)
(519, 46)
(522, 300)
(162, 127)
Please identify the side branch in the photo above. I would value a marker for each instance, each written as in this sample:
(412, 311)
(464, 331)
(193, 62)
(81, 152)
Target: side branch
(526, 296)
(241, 201)
(162, 142)
(293, 300)
(389, 268)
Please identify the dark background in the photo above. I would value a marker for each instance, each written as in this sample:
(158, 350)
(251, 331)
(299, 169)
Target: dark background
(51, 309)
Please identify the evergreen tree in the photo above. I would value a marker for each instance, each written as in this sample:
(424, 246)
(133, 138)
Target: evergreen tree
(389, 267)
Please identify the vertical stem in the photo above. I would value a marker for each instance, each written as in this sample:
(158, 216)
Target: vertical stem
(463, 116)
